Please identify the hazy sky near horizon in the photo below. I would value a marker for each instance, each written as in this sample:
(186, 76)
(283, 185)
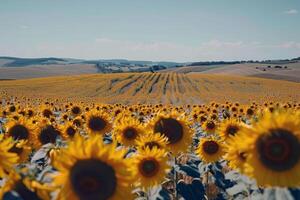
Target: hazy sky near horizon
(174, 30)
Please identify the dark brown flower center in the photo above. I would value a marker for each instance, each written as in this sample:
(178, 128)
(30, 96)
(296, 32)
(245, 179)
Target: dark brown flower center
(16, 150)
(30, 113)
(71, 131)
(280, 150)
(232, 130)
(210, 125)
(77, 122)
(242, 156)
(19, 132)
(47, 113)
(24, 192)
(76, 110)
(96, 123)
(149, 167)
(12, 109)
(48, 134)
(250, 111)
(171, 128)
(93, 179)
(210, 147)
(130, 133)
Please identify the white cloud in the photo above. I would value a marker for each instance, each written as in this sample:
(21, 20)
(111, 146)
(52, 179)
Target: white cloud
(291, 12)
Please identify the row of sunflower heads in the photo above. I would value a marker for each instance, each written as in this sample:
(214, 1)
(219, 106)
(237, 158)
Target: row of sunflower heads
(88, 168)
(267, 149)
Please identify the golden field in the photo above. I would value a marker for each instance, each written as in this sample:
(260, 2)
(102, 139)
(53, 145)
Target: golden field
(151, 88)
(149, 136)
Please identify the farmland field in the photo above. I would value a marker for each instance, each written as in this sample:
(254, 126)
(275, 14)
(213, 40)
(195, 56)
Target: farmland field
(152, 88)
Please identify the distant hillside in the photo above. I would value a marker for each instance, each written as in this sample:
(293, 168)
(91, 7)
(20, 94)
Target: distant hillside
(20, 68)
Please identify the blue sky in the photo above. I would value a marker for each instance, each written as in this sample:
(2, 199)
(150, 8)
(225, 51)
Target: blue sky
(175, 30)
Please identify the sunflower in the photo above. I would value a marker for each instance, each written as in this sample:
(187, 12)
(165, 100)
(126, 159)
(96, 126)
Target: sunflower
(175, 128)
(151, 140)
(210, 150)
(209, 126)
(68, 130)
(236, 154)
(45, 133)
(22, 149)
(229, 128)
(7, 159)
(98, 122)
(75, 110)
(20, 129)
(127, 130)
(78, 122)
(150, 167)
(274, 150)
(46, 111)
(88, 169)
(26, 188)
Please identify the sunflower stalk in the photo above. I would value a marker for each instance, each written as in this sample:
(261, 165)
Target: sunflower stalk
(175, 180)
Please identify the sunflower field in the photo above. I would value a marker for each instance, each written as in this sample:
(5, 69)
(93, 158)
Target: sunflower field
(84, 150)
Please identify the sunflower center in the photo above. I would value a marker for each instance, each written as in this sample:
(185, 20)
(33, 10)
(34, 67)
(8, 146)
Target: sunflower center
(152, 144)
(75, 110)
(71, 131)
(30, 113)
(47, 113)
(279, 150)
(130, 133)
(232, 130)
(77, 122)
(16, 150)
(19, 132)
(242, 156)
(48, 135)
(210, 125)
(171, 128)
(24, 192)
(149, 168)
(96, 123)
(210, 147)
(12, 109)
(93, 179)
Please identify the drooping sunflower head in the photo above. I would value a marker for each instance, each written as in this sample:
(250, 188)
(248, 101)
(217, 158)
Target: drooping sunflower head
(98, 122)
(176, 128)
(89, 169)
(210, 150)
(20, 129)
(229, 128)
(127, 131)
(150, 167)
(274, 150)
(152, 140)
